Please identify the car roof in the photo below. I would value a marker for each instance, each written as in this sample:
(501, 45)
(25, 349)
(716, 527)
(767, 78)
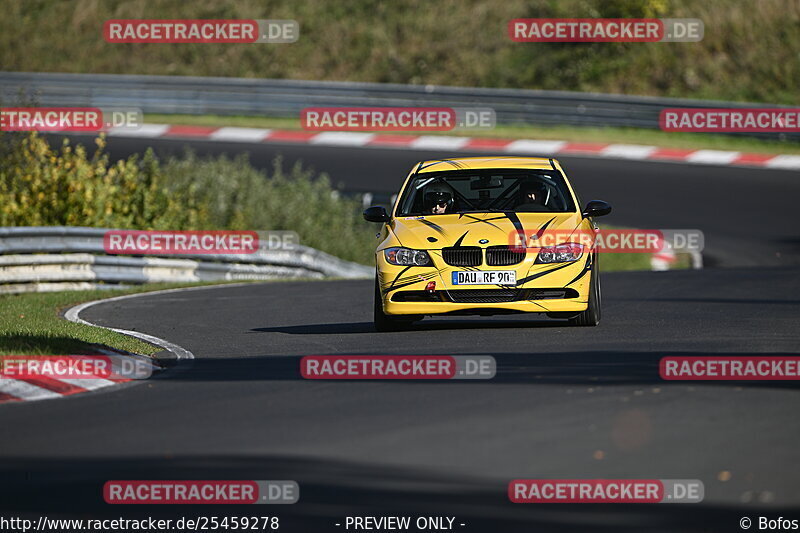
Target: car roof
(471, 163)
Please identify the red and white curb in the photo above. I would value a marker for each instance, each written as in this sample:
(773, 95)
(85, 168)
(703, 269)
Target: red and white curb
(464, 144)
(663, 259)
(46, 388)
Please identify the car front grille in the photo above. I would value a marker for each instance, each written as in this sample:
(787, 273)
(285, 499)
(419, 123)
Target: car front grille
(503, 256)
(419, 296)
(550, 294)
(462, 256)
(484, 296)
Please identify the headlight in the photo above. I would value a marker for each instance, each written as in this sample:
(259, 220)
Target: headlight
(563, 253)
(407, 257)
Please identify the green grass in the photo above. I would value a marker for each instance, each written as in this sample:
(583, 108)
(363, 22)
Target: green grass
(30, 324)
(620, 262)
(617, 262)
(749, 51)
(692, 141)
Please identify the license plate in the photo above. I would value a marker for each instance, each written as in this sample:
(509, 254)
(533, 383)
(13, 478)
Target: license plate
(485, 277)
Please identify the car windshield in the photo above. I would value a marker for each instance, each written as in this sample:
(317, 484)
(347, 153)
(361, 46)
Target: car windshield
(493, 190)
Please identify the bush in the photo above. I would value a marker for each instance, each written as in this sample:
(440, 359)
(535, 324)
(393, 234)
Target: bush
(42, 186)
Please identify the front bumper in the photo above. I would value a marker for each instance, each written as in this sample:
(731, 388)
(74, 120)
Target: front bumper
(541, 288)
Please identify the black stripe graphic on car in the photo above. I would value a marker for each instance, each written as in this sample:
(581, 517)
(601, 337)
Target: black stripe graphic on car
(586, 268)
(540, 232)
(485, 221)
(515, 220)
(398, 277)
(421, 277)
(540, 274)
(415, 277)
(421, 166)
(456, 164)
(538, 304)
(437, 161)
(433, 226)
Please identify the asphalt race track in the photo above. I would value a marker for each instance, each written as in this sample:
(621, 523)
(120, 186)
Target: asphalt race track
(566, 402)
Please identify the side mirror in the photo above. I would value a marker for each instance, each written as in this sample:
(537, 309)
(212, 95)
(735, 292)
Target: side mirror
(596, 208)
(376, 213)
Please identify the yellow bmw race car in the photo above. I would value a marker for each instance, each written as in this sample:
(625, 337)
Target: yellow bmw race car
(467, 236)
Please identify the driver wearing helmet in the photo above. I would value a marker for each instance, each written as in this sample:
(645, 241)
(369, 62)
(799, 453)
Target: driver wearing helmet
(532, 197)
(439, 199)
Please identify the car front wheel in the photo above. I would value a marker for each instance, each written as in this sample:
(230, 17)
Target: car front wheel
(590, 317)
(384, 322)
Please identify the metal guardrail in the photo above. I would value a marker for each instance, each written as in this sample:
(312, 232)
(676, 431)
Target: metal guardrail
(286, 98)
(51, 258)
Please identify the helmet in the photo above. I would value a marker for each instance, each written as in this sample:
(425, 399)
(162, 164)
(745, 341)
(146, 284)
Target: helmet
(536, 187)
(438, 194)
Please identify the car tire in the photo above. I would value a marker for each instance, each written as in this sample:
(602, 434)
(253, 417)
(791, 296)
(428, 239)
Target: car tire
(384, 322)
(591, 317)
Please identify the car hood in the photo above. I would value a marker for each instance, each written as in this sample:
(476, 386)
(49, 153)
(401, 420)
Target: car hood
(469, 229)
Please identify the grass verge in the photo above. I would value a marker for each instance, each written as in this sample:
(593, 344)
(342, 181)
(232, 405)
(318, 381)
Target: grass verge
(689, 141)
(30, 324)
